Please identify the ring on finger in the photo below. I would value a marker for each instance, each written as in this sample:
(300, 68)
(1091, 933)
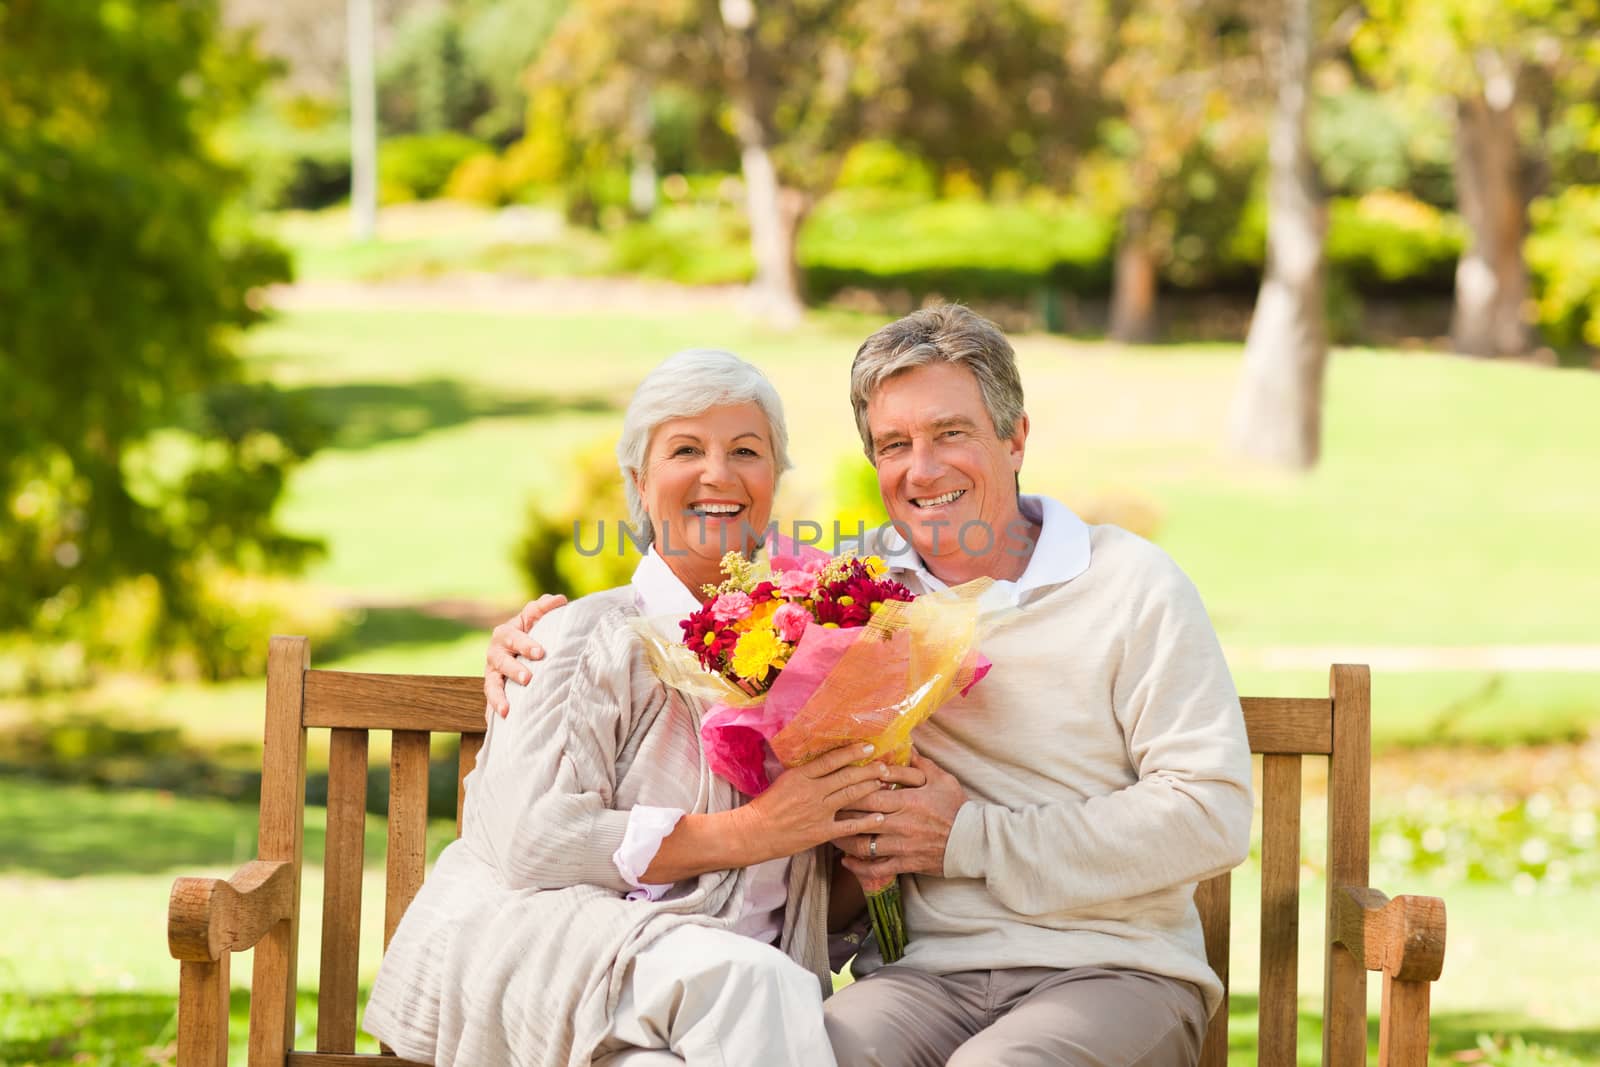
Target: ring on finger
(872, 847)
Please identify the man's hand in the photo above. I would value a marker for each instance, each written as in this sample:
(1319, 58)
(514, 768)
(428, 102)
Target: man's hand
(508, 641)
(798, 811)
(916, 827)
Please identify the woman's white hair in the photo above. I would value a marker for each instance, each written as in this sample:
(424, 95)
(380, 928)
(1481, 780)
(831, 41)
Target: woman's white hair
(685, 385)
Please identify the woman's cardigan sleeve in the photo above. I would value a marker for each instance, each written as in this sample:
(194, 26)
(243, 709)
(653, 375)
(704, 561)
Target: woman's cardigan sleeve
(539, 803)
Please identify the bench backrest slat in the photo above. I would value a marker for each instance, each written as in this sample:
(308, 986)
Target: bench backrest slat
(408, 824)
(281, 837)
(1280, 909)
(341, 891)
(436, 703)
(1289, 725)
(1344, 997)
(1213, 899)
(1281, 730)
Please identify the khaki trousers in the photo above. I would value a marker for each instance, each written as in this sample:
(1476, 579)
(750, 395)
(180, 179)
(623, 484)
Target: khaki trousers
(1084, 1017)
(714, 998)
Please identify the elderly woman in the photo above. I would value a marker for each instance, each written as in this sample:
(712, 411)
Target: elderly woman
(610, 900)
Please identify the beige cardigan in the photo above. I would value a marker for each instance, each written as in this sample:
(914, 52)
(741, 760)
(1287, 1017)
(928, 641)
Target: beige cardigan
(513, 951)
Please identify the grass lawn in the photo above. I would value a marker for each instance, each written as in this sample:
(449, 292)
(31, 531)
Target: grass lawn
(86, 978)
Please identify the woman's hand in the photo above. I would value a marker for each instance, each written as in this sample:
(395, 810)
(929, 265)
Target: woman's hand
(508, 641)
(798, 811)
(811, 804)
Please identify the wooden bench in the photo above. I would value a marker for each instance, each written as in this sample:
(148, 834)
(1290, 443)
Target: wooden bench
(209, 919)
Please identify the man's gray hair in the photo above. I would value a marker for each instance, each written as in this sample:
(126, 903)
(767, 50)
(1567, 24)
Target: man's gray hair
(685, 385)
(949, 333)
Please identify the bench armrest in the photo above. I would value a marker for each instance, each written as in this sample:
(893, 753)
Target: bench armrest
(1403, 937)
(210, 917)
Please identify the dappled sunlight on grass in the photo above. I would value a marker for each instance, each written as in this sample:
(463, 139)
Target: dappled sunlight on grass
(74, 831)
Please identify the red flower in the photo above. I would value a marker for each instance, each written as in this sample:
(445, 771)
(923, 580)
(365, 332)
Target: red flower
(828, 610)
(847, 601)
(701, 637)
(723, 643)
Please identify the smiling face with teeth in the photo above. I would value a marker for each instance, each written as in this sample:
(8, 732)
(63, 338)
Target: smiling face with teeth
(707, 484)
(942, 467)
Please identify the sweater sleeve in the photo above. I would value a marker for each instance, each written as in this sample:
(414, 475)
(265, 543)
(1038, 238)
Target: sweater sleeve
(540, 800)
(1187, 815)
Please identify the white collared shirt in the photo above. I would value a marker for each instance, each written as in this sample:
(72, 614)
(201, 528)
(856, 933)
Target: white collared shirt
(664, 600)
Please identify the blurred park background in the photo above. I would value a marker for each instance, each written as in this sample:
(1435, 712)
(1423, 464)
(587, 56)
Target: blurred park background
(320, 319)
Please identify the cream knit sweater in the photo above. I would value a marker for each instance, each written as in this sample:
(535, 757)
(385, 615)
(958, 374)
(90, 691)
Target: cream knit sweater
(1108, 771)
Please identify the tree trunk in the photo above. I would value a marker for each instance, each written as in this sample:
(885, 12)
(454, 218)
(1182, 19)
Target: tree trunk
(642, 175)
(775, 215)
(363, 122)
(1133, 289)
(1492, 276)
(642, 182)
(1277, 414)
(775, 212)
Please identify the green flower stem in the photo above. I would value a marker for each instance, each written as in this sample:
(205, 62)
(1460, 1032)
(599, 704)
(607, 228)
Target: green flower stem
(888, 921)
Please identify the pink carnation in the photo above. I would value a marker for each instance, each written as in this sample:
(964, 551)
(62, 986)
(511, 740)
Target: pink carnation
(796, 583)
(790, 621)
(731, 606)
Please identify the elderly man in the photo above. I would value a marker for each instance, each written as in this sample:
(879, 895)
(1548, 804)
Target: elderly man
(1073, 799)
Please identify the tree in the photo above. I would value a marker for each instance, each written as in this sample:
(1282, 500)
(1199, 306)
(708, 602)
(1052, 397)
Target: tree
(132, 445)
(309, 38)
(1173, 80)
(1277, 414)
(1506, 67)
(801, 81)
(754, 64)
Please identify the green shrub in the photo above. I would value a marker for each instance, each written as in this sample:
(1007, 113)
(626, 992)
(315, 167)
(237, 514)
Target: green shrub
(693, 244)
(1367, 140)
(547, 555)
(530, 167)
(956, 248)
(1381, 242)
(291, 166)
(596, 195)
(542, 158)
(883, 166)
(478, 179)
(426, 81)
(417, 167)
(1387, 240)
(856, 498)
(1564, 256)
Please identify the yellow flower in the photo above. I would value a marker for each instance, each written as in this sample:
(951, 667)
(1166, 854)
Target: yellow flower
(763, 612)
(875, 566)
(756, 653)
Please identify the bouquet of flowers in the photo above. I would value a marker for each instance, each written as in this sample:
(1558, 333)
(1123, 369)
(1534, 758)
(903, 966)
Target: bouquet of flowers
(805, 653)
